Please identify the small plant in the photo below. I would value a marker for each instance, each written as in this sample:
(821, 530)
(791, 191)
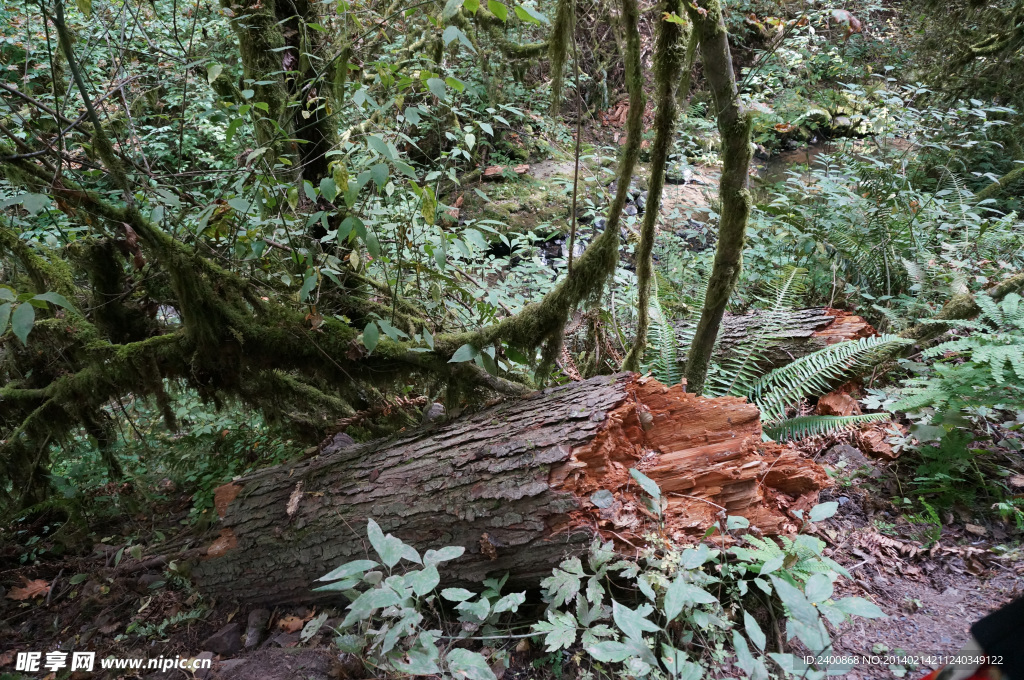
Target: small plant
(673, 613)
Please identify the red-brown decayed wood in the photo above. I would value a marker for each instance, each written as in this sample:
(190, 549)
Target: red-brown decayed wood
(845, 326)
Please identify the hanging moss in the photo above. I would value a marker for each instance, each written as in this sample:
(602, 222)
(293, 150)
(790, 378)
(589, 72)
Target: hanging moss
(668, 60)
(561, 33)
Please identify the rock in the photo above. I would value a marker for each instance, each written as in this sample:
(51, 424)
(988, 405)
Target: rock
(432, 412)
(256, 627)
(204, 673)
(630, 209)
(226, 669)
(817, 116)
(837, 403)
(975, 529)
(600, 222)
(641, 202)
(146, 580)
(226, 641)
(842, 122)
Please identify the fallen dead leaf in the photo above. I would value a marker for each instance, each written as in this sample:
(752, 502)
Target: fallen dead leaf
(6, 659)
(290, 624)
(31, 589)
(975, 529)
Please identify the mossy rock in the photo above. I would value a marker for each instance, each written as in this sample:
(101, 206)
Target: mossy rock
(520, 205)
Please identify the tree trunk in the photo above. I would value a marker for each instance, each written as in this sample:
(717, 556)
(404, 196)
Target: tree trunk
(803, 331)
(734, 124)
(512, 484)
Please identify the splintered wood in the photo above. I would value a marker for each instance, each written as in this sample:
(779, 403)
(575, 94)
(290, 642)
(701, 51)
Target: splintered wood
(707, 457)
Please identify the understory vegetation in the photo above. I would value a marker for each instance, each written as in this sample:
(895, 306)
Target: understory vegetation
(232, 231)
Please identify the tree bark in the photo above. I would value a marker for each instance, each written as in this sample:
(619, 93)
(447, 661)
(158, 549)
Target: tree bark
(803, 331)
(512, 484)
(734, 124)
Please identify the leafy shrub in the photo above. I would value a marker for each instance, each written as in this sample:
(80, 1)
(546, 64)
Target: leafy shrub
(672, 613)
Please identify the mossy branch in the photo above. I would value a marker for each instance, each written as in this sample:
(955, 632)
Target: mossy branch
(668, 61)
(734, 124)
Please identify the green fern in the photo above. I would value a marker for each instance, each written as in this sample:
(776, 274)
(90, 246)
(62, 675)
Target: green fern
(815, 373)
(741, 370)
(811, 426)
(662, 341)
(805, 553)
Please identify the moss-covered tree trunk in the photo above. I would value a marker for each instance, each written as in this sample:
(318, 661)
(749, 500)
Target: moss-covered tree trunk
(668, 62)
(734, 124)
(513, 484)
(275, 42)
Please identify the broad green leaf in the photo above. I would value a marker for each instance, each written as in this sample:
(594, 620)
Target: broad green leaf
(470, 140)
(477, 609)
(312, 627)
(464, 353)
(84, 6)
(380, 172)
(463, 663)
(455, 83)
(308, 284)
(680, 594)
(412, 114)
(743, 656)
(34, 203)
(22, 320)
(754, 631)
(471, 6)
(340, 586)
(608, 652)
(423, 581)
(772, 564)
(486, 128)
(329, 189)
(646, 483)
(365, 604)
(372, 244)
(213, 71)
(7, 294)
(56, 299)
(733, 522)
(858, 606)
(633, 622)
(307, 188)
(799, 608)
(451, 33)
(429, 339)
(371, 335)
(823, 511)
(437, 88)
(348, 569)
(5, 316)
(498, 9)
(559, 630)
(509, 603)
(456, 594)
(445, 554)
(818, 588)
(379, 145)
(451, 8)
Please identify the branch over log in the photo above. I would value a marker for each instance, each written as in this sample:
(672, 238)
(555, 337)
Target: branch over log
(513, 484)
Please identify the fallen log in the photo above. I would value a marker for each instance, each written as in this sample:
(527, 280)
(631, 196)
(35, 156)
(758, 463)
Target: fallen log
(512, 484)
(799, 333)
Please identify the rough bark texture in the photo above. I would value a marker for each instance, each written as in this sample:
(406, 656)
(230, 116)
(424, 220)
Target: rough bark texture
(803, 331)
(512, 484)
(734, 124)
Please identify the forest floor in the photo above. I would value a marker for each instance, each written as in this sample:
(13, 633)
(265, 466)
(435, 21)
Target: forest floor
(129, 605)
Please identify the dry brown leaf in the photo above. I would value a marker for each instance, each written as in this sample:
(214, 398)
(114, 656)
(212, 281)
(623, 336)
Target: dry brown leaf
(31, 589)
(6, 659)
(290, 624)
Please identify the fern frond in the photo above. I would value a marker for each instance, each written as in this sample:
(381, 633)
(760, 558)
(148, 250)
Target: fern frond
(741, 370)
(814, 374)
(661, 339)
(810, 426)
